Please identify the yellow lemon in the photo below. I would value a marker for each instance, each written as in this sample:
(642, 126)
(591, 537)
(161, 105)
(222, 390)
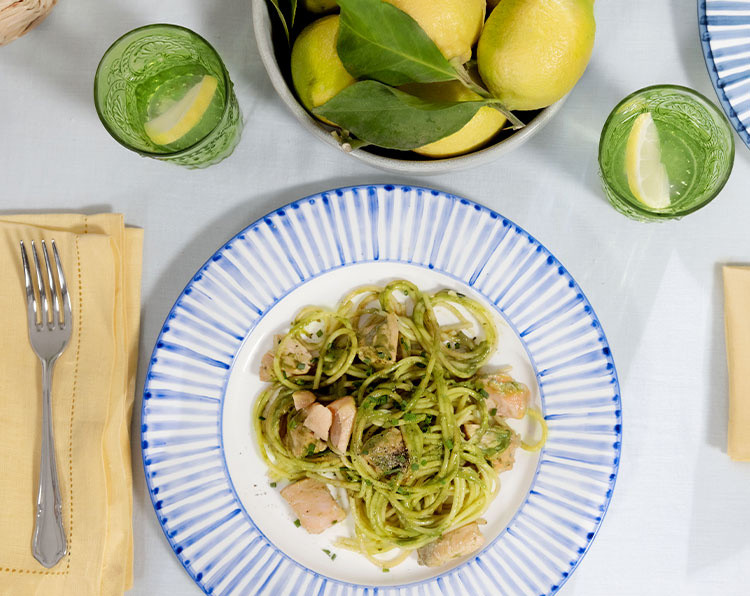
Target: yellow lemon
(532, 52)
(320, 6)
(647, 175)
(317, 71)
(182, 117)
(485, 124)
(454, 25)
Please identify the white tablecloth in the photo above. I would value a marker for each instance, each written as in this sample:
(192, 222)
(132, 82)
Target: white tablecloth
(679, 522)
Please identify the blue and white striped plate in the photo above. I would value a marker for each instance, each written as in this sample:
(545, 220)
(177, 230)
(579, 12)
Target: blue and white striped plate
(232, 531)
(725, 36)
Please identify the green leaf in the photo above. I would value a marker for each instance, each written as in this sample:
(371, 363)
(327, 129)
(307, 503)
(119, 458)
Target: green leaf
(379, 41)
(282, 18)
(390, 118)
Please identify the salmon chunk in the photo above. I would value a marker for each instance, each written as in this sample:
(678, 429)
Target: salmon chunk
(498, 445)
(302, 399)
(318, 420)
(313, 504)
(295, 358)
(300, 439)
(451, 545)
(266, 368)
(344, 412)
(378, 340)
(504, 460)
(509, 397)
(386, 452)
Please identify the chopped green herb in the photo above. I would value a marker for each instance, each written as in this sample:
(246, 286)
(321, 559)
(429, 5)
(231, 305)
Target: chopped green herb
(297, 523)
(293, 423)
(423, 462)
(261, 417)
(410, 416)
(421, 365)
(326, 551)
(319, 333)
(300, 366)
(449, 444)
(402, 491)
(493, 411)
(333, 556)
(365, 452)
(483, 393)
(273, 485)
(310, 449)
(415, 466)
(385, 570)
(456, 345)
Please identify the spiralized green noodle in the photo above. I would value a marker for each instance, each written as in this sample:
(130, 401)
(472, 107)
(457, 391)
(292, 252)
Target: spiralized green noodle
(429, 393)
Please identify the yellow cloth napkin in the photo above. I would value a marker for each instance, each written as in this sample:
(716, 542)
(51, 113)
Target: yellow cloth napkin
(737, 321)
(92, 398)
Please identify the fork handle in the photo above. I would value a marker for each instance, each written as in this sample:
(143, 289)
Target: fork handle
(48, 544)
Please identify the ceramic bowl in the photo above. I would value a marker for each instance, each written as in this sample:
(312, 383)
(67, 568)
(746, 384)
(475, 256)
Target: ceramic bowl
(395, 161)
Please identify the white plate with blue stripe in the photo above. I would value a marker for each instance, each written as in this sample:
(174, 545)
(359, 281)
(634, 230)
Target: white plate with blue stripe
(232, 531)
(725, 37)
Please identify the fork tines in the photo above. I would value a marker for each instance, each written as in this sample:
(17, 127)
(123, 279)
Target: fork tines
(53, 291)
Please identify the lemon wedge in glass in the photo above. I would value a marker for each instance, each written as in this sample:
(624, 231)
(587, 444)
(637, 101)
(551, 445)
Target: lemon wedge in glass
(647, 175)
(182, 117)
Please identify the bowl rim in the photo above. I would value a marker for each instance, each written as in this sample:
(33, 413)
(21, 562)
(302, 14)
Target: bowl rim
(261, 29)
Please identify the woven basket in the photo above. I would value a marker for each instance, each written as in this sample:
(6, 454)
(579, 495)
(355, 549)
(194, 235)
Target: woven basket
(19, 16)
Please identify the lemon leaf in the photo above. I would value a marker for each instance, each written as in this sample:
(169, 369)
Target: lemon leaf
(282, 17)
(379, 41)
(390, 118)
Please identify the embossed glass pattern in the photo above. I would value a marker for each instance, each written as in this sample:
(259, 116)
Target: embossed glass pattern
(696, 143)
(166, 60)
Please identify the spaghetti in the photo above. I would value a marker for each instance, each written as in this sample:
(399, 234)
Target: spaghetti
(429, 435)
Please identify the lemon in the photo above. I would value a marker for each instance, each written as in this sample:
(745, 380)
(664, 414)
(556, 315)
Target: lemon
(647, 175)
(320, 6)
(485, 124)
(182, 117)
(317, 71)
(454, 25)
(532, 52)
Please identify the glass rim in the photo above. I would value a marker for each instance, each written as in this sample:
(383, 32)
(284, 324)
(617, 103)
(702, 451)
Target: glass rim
(637, 206)
(144, 152)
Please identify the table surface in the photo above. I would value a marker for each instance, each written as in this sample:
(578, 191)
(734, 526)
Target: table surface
(679, 518)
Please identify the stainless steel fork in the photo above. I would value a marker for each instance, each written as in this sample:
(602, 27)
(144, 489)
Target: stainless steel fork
(50, 324)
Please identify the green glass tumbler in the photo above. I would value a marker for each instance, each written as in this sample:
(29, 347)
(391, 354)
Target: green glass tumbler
(697, 150)
(163, 92)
